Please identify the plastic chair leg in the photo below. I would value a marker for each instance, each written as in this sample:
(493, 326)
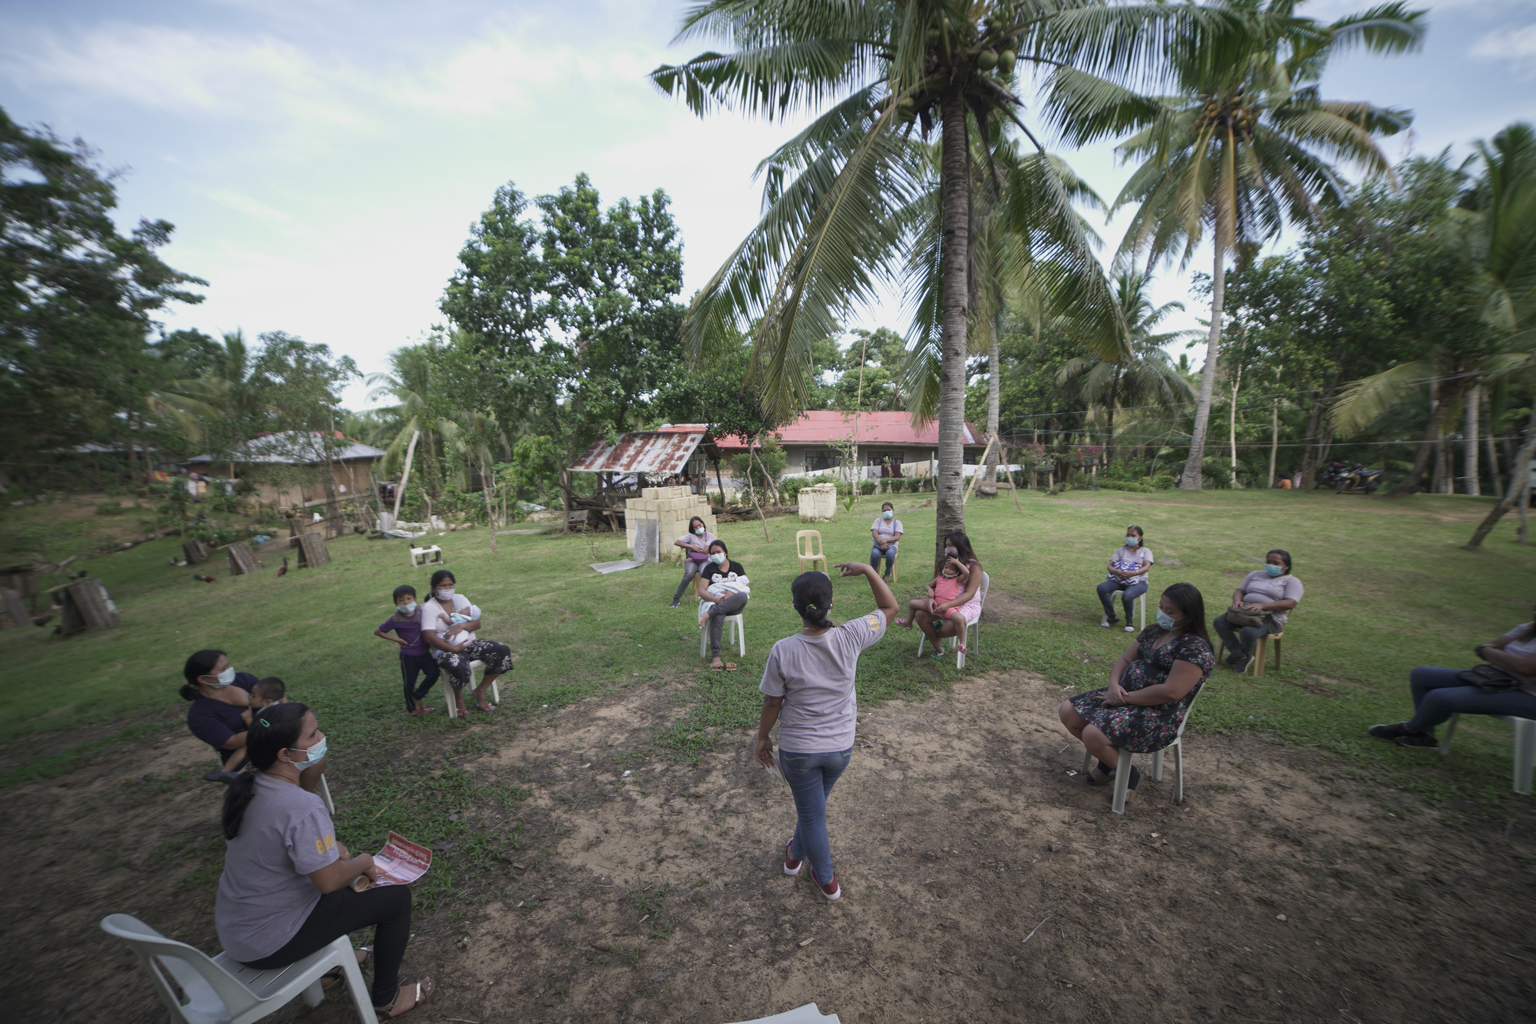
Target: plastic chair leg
(1178, 772)
(1122, 780)
(1445, 737)
(1525, 753)
(1277, 654)
(1157, 766)
(314, 995)
(330, 806)
(741, 636)
(1087, 762)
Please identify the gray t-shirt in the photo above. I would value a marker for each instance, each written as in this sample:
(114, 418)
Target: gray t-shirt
(265, 893)
(1259, 587)
(814, 675)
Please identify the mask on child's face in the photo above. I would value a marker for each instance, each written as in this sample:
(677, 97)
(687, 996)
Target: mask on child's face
(455, 618)
(718, 558)
(446, 594)
(406, 609)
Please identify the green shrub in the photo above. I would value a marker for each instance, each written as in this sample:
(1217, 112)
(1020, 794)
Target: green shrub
(792, 488)
(867, 487)
(109, 508)
(1163, 482)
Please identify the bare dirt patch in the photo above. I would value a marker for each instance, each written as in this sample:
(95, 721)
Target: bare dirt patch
(1280, 890)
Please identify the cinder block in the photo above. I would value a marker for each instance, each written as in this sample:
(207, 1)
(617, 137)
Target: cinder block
(648, 492)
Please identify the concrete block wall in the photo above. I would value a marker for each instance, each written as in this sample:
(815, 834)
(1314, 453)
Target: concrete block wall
(818, 503)
(672, 508)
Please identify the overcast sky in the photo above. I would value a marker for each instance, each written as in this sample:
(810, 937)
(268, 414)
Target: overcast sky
(323, 160)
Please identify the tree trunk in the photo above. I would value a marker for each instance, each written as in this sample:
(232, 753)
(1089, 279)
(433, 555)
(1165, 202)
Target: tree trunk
(1237, 382)
(1519, 482)
(1470, 481)
(1196, 460)
(956, 296)
(405, 476)
(994, 389)
(720, 483)
(1410, 484)
(1315, 448)
(1109, 419)
(1274, 437)
(751, 456)
(1494, 484)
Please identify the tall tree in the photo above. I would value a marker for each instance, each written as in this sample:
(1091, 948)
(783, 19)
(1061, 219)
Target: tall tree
(1240, 142)
(839, 197)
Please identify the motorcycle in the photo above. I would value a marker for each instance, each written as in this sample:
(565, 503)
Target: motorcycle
(1349, 476)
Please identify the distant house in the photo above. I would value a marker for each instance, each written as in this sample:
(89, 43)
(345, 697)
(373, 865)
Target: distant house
(885, 439)
(347, 464)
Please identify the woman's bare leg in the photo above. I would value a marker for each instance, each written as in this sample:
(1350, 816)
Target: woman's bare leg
(1070, 718)
(1099, 746)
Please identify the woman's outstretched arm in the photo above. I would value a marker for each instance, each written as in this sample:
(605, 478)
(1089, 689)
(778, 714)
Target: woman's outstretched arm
(884, 599)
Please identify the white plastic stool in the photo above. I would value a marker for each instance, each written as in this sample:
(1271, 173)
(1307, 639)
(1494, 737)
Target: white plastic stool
(725, 635)
(1525, 748)
(476, 672)
(426, 556)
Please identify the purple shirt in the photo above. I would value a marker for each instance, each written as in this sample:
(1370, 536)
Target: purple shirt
(408, 630)
(214, 721)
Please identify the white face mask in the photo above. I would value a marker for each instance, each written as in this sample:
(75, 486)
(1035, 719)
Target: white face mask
(699, 531)
(717, 558)
(226, 677)
(888, 514)
(1164, 619)
(1132, 541)
(406, 609)
(316, 754)
(446, 594)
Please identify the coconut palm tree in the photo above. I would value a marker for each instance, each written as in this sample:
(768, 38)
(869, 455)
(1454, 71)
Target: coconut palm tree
(1148, 377)
(834, 227)
(1241, 142)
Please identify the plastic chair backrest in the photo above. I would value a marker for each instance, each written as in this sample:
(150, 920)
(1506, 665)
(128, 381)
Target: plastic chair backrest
(212, 993)
(1190, 711)
(811, 546)
(986, 584)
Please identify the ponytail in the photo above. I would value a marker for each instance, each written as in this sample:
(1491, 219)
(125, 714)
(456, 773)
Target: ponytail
(812, 594)
(273, 729)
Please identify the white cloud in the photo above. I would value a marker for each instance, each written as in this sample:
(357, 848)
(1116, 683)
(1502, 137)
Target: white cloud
(1518, 45)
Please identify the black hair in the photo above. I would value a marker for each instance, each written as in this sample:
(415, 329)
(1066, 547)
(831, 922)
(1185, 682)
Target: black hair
(271, 688)
(700, 521)
(961, 544)
(1188, 599)
(273, 730)
(402, 590)
(1284, 555)
(440, 575)
(721, 543)
(812, 594)
(887, 505)
(200, 664)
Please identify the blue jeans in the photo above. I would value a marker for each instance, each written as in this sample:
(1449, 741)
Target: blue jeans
(889, 554)
(1107, 597)
(811, 778)
(1438, 694)
(1243, 638)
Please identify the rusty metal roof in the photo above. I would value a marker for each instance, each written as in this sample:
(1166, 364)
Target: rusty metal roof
(644, 451)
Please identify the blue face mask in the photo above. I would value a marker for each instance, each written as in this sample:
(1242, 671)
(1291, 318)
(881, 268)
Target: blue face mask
(888, 514)
(1164, 619)
(406, 609)
(1275, 570)
(717, 558)
(1132, 541)
(316, 754)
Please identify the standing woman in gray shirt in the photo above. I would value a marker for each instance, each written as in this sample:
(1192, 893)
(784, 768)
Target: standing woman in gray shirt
(808, 688)
(1266, 595)
(286, 891)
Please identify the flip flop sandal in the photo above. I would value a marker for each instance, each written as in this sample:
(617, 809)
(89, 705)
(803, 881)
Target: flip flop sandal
(902, 623)
(385, 1012)
(727, 667)
(483, 706)
(962, 649)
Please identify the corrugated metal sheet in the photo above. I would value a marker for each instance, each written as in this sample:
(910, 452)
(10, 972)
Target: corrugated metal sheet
(825, 427)
(644, 451)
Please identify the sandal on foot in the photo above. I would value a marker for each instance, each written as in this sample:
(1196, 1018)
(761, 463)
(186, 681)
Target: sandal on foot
(962, 649)
(483, 706)
(903, 623)
(729, 666)
(424, 989)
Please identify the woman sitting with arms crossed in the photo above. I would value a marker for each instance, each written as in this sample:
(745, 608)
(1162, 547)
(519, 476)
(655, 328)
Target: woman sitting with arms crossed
(1127, 576)
(1260, 604)
(1438, 694)
(886, 532)
(286, 891)
(448, 624)
(809, 681)
(723, 589)
(1151, 687)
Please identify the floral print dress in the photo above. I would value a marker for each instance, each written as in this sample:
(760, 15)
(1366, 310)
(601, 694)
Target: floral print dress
(1146, 728)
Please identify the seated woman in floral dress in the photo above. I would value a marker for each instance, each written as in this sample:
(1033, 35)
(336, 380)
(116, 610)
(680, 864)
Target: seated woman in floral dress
(1150, 688)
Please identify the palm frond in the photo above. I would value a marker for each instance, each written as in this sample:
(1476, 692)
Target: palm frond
(1368, 399)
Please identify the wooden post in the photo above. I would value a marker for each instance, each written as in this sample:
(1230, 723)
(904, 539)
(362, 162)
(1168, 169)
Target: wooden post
(195, 552)
(241, 561)
(312, 550)
(979, 465)
(405, 477)
(13, 610)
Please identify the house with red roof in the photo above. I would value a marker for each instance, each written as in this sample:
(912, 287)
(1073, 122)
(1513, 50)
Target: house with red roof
(885, 438)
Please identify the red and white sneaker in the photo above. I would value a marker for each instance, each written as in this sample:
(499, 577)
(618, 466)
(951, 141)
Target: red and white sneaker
(830, 889)
(791, 866)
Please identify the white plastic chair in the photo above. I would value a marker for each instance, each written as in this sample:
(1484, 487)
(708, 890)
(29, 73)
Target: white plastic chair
(426, 556)
(1123, 768)
(324, 794)
(807, 1014)
(476, 672)
(730, 622)
(974, 645)
(1525, 748)
(220, 990)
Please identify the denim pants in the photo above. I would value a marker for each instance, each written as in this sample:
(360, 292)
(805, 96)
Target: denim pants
(412, 665)
(1438, 694)
(811, 778)
(1128, 599)
(690, 570)
(889, 554)
(1244, 638)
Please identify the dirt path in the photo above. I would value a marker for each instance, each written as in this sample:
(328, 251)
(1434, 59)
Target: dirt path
(1276, 892)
